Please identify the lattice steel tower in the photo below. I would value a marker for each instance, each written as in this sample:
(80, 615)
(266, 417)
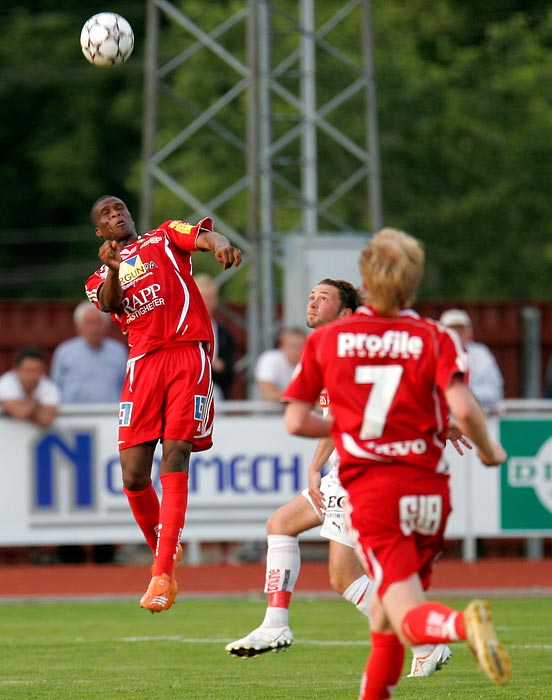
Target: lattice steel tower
(289, 104)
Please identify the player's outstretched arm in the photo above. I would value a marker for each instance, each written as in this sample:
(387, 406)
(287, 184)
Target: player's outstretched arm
(222, 249)
(472, 423)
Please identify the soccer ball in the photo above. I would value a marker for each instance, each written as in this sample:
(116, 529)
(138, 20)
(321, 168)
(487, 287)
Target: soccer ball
(106, 38)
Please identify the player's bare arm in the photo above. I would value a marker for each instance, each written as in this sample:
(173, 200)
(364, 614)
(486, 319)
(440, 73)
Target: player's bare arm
(109, 254)
(472, 423)
(459, 441)
(300, 419)
(322, 453)
(226, 254)
(110, 294)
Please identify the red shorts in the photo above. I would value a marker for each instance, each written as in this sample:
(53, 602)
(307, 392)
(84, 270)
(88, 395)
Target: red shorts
(168, 395)
(398, 516)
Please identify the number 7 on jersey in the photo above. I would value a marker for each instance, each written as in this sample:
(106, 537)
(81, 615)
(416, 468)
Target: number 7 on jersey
(385, 380)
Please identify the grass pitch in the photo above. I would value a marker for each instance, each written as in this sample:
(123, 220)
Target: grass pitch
(115, 650)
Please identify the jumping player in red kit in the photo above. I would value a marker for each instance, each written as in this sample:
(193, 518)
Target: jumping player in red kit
(393, 378)
(146, 284)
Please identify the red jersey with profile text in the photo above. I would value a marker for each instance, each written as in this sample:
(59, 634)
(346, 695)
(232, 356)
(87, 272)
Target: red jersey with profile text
(386, 378)
(161, 302)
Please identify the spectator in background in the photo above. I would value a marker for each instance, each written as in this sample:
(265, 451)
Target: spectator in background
(26, 392)
(91, 367)
(485, 378)
(274, 367)
(224, 352)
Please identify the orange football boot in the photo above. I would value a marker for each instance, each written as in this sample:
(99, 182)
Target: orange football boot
(158, 596)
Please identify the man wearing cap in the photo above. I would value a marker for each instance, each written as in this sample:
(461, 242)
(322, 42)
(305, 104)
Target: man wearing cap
(485, 378)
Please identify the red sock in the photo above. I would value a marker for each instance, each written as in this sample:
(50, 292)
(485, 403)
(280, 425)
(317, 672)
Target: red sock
(433, 623)
(383, 668)
(144, 505)
(279, 599)
(174, 502)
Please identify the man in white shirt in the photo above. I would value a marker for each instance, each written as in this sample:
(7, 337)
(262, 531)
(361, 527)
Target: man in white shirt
(26, 393)
(274, 367)
(485, 378)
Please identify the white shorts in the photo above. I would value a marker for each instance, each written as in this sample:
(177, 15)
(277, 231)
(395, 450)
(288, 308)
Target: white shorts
(333, 525)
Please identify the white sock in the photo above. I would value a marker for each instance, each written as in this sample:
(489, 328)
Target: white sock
(283, 562)
(359, 594)
(276, 617)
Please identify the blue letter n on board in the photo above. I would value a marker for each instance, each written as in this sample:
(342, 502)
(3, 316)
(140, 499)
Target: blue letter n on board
(54, 452)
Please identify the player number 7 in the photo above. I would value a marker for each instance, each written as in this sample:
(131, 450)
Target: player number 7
(385, 380)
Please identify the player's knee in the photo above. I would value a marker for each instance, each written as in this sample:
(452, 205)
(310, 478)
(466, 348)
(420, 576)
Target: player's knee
(281, 523)
(135, 479)
(378, 618)
(338, 583)
(274, 524)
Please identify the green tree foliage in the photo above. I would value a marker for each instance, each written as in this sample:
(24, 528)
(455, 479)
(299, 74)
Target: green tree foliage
(465, 126)
(70, 132)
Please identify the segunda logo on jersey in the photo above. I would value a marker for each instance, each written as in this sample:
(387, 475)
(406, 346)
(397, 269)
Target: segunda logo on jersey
(133, 268)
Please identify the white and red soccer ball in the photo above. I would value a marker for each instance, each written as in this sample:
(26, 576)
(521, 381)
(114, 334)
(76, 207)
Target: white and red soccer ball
(106, 39)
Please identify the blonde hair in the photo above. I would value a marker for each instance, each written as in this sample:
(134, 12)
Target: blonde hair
(391, 267)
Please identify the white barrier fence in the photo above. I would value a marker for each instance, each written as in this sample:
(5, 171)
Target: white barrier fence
(63, 485)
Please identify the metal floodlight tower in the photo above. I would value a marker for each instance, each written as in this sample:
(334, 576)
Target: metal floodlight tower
(293, 85)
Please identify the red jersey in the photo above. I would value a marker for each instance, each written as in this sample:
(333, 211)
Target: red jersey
(161, 302)
(386, 378)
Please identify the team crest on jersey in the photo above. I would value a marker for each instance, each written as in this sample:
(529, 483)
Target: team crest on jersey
(133, 268)
(181, 227)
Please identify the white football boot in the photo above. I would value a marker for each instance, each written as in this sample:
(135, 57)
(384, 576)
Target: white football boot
(423, 666)
(261, 640)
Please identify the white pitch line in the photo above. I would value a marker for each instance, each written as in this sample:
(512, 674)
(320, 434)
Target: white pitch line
(196, 640)
(10, 682)
(307, 642)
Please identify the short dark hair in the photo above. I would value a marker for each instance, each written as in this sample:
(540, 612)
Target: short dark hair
(349, 295)
(29, 351)
(93, 216)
